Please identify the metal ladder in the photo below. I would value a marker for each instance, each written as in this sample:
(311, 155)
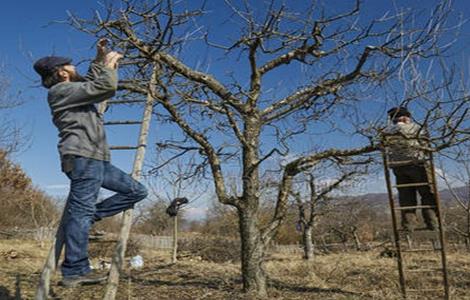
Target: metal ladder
(438, 244)
(52, 260)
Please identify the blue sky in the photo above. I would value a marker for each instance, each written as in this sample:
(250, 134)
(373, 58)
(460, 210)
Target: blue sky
(27, 34)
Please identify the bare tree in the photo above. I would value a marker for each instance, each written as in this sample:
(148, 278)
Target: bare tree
(11, 134)
(348, 222)
(327, 68)
(175, 181)
(23, 205)
(457, 180)
(313, 201)
(152, 219)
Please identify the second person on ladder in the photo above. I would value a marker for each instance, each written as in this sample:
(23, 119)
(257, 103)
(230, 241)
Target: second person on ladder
(405, 141)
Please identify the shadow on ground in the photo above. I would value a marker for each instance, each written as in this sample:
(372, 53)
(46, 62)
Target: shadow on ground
(5, 293)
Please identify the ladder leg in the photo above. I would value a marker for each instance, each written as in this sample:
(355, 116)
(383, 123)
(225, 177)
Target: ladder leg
(396, 236)
(441, 229)
(437, 245)
(118, 257)
(52, 260)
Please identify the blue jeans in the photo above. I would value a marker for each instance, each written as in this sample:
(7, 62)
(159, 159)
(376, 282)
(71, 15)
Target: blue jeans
(87, 176)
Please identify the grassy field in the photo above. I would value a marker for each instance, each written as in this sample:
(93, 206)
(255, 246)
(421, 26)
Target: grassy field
(355, 275)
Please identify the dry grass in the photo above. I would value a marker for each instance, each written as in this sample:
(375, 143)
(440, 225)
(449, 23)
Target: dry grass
(359, 275)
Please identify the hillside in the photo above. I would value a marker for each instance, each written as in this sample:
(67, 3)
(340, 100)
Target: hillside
(23, 204)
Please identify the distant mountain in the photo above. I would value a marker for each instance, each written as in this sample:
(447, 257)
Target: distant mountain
(380, 199)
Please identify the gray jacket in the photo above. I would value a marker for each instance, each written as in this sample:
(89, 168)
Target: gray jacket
(81, 130)
(405, 144)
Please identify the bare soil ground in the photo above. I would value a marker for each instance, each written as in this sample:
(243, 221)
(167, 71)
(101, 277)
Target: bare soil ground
(357, 275)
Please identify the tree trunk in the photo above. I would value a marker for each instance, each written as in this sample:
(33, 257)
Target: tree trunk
(307, 242)
(467, 240)
(357, 241)
(175, 240)
(325, 246)
(253, 273)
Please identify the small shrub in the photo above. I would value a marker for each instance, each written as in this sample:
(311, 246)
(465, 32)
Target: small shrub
(213, 249)
(106, 248)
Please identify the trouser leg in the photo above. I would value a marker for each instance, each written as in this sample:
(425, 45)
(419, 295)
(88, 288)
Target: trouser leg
(427, 197)
(406, 197)
(128, 192)
(85, 181)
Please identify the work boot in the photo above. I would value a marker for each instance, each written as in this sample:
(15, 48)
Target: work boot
(409, 221)
(430, 219)
(87, 279)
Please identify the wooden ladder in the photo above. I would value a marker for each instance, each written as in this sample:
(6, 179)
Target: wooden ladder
(52, 260)
(437, 237)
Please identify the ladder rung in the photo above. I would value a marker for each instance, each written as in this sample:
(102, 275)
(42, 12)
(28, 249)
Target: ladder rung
(392, 163)
(414, 207)
(425, 290)
(423, 270)
(129, 122)
(123, 147)
(411, 184)
(421, 250)
(125, 101)
(421, 235)
(422, 230)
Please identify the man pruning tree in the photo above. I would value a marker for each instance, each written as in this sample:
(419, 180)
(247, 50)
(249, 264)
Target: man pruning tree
(84, 153)
(408, 161)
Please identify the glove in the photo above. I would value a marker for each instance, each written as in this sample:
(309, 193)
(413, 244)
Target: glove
(101, 50)
(172, 210)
